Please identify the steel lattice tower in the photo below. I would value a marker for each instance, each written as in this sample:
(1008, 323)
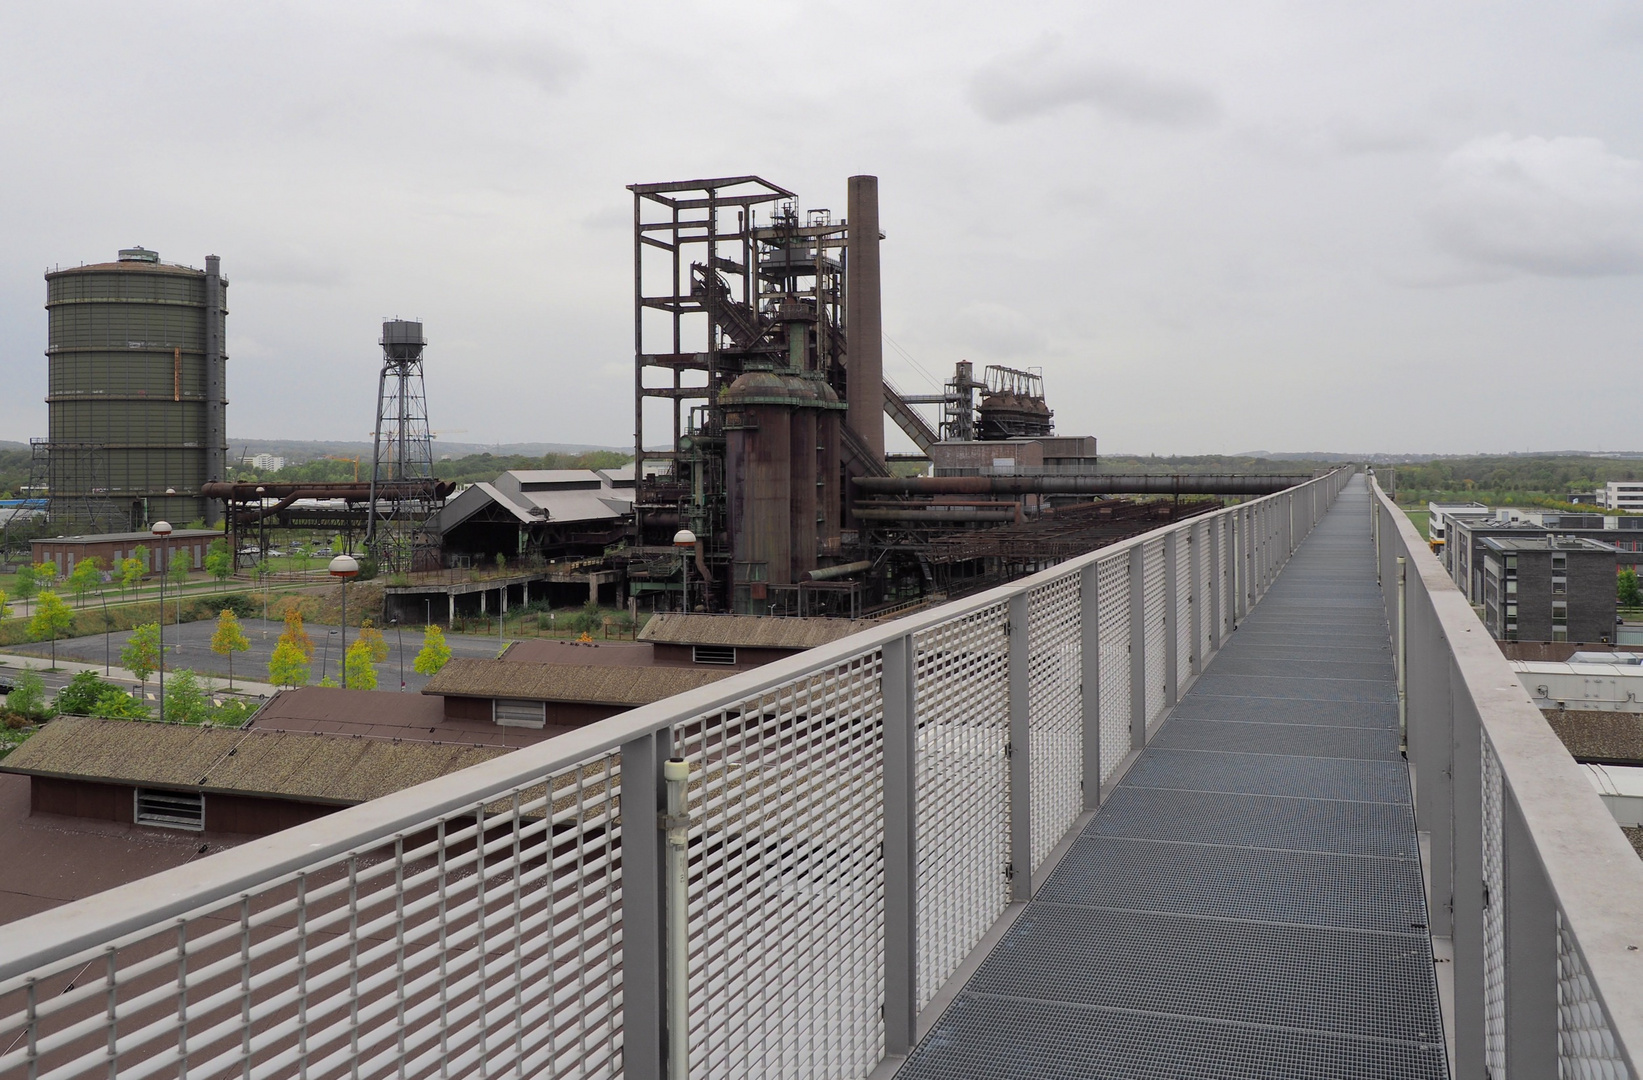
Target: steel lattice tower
(403, 496)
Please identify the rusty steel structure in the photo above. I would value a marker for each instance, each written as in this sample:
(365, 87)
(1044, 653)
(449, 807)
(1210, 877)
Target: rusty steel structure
(750, 409)
(254, 508)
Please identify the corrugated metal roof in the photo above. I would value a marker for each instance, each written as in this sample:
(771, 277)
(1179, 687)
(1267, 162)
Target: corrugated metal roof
(599, 685)
(752, 631)
(313, 768)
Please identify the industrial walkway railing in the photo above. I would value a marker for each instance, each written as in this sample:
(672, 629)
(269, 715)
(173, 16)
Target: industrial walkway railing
(1528, 874)
(860, 816)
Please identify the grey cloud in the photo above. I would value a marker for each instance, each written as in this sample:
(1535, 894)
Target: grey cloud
(545, 64)
(1039, 82)
(1561, 207)
(999, 332)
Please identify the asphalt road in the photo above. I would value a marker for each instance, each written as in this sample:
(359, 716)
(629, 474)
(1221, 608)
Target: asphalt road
(189, 646)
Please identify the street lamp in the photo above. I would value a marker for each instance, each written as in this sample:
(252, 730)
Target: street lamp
(344, 567)
(162, 530)
(684, 540)
(262, 554)
(400, 630)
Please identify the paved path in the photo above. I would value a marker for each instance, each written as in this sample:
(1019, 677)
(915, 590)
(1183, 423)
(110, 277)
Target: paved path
(1248, 902)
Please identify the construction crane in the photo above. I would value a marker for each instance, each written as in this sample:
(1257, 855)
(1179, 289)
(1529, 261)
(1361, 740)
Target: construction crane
(341, 457)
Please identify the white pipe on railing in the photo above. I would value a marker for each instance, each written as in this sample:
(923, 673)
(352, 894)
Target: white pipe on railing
(1403, 657)
(676, 771)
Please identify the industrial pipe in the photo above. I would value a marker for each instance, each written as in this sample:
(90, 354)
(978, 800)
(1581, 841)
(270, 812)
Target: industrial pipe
(358, 491)
(937, 512)
(676, 772)
(829, 573)
(1074, 484)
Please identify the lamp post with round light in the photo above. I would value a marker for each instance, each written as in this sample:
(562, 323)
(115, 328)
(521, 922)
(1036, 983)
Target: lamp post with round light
(162, 530)
(344, 567)
(685, 541)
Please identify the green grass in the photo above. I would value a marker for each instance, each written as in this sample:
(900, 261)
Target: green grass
(1421, 519)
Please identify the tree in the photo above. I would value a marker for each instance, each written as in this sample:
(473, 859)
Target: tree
(115, 704)
(296, 635)
(435, 653)
(228, 640)
(26, 585)
(45, 576)
(359, 673)
(132, 571)
(28, 696)
(87, 575)
(177, 574)
(379, 645)
(185, 700)
(219, 561)
(140, 655)
(1627, 588)
(52, 619)
(5, 608)
(80, 696)
(288, 666)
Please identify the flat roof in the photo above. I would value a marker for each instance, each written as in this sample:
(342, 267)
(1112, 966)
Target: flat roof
(114, 538)
(581, 653)
(750, 631)
(386, 714)
(51, 860)
(305, 766)
(1545, 543)
(589, 684)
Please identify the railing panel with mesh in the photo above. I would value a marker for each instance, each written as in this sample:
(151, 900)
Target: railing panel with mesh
(1538, 867)
(484, 923)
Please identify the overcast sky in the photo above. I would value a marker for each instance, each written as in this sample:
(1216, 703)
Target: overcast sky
(1216, 227)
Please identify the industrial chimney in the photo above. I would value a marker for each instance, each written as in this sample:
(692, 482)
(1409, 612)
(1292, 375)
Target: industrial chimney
(864, 378)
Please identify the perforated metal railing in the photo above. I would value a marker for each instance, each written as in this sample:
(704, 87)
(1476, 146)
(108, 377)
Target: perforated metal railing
(861, 816)
(1529, 876)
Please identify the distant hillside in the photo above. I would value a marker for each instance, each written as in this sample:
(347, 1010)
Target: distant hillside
(299, 450)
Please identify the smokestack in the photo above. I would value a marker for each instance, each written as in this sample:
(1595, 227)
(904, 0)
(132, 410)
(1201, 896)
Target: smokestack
(865, 374)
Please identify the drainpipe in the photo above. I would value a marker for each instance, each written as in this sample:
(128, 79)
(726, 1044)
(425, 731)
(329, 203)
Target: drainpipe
(1403, 658)
(676, 771)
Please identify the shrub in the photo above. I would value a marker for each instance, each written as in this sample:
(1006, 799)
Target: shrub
(80, 696)
(29, 697)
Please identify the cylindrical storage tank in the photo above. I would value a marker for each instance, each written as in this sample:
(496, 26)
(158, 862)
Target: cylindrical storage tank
(759, 408)
(136, 391)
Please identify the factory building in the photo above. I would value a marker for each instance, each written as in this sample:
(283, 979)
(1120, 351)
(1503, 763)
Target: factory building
(137, 392)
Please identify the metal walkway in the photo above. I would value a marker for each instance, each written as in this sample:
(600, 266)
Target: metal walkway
(1248, 902)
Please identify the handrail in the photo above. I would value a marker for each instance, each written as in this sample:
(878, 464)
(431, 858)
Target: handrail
(1548, 964)
(833, 784)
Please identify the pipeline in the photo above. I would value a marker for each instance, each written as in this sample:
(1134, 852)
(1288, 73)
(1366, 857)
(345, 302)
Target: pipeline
(1099, 484)
(829, 573)
(940, 513)
(354, 491)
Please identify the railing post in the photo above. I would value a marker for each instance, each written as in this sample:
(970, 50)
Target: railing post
(1195, 600)
(896, 688)
(1531, 952)
(1468, 886)
(1021, 756)
(644, 971)
(1138, 647)
(1089, 685)
(1172, 609)
(1246, 540)
(1217, 580)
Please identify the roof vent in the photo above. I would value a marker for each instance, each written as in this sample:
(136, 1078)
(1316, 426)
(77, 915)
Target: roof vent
(139, 254)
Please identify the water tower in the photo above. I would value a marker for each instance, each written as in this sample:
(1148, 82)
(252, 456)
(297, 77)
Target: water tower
(403, 496)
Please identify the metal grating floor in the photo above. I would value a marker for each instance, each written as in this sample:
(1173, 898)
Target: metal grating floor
(1248, 902)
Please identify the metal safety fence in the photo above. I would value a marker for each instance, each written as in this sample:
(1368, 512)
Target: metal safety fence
(860, 816)
(1529, 878)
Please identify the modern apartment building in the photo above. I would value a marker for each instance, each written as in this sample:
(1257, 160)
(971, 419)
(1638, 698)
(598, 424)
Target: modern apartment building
(1548, 588)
